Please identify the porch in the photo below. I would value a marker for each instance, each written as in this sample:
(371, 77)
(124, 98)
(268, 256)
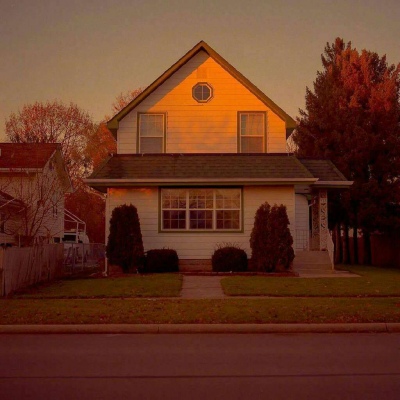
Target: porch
(313, 247)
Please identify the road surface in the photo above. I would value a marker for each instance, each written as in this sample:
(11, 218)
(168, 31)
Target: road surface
(200, 366)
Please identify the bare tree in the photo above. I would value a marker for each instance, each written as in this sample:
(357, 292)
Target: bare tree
(36, 201)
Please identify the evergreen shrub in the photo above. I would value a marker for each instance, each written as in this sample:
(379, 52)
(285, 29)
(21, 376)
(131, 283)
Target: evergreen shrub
(125, 244)
(229, 259)
(161, 260)
(271, 241)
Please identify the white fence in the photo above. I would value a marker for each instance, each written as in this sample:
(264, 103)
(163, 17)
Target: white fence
(22, 267)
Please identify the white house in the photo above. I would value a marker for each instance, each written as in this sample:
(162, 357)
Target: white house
(199, 151)
(33, 182)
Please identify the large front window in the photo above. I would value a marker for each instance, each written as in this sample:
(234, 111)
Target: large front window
(201, 209)
(252, 132)
(151, 133)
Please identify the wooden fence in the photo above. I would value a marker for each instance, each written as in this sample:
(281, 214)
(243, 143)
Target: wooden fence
(385, 250)
(22, 267)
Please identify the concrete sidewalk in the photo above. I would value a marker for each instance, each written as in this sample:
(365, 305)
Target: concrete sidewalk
(201, 328)
(209, 287)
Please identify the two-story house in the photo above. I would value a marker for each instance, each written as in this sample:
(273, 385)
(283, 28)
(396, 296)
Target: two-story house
(33, 182)
(199, 151)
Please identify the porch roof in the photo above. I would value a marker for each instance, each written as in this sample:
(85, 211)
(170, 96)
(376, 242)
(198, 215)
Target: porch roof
(211, 169)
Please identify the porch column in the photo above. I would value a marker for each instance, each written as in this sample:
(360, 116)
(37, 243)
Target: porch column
(319, 215)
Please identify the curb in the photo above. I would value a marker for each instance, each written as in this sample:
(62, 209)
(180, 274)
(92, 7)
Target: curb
(201, 328)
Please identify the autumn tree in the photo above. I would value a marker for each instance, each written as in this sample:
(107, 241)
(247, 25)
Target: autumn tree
(85, 145)
(86, 203)
(55, 122)
(352, 116)
(123, 99)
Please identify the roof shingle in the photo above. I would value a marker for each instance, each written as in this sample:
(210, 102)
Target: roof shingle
(202, 166)
(26, 155)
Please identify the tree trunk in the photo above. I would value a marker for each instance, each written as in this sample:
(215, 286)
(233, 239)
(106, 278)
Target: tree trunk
(346, 245)
(355, 233)
(338, 244)
(355, 245)
(367, 248)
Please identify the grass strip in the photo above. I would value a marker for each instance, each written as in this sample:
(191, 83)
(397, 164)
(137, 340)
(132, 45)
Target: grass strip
(157, 285)
(172, 311)
(372, 281)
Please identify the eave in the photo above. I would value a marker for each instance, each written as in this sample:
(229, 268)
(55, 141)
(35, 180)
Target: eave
(102, 184)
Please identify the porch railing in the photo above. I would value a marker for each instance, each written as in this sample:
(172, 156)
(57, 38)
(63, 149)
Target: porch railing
(78, 256)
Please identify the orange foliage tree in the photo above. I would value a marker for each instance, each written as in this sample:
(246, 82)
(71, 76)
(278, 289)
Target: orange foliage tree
(86, 203)
(353, 118)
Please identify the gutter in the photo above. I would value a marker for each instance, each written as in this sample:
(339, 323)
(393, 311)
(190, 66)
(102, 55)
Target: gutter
(198, 181)
(334, 184)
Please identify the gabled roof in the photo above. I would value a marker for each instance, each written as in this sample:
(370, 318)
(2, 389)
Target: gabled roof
(26, 155)
(9, 202)
(113, 123)
(127, 170)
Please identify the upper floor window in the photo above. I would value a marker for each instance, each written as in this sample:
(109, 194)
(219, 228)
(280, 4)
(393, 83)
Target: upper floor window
(151, 133)
(202, 92)
(252, 132)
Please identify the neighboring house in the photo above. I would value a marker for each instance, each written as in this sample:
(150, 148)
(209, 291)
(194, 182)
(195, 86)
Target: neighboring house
(33, 182)
(199, 151)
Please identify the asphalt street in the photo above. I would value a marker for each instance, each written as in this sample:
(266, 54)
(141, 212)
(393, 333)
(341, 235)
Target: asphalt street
(206, 366)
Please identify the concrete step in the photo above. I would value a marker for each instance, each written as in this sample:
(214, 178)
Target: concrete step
(312, 262)
(195, 265)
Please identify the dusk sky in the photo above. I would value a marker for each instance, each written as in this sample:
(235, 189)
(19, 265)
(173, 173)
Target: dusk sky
(89, 51)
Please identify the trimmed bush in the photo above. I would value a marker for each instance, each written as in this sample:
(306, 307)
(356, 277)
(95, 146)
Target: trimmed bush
(229, 258)
(260, 239)
(161, 260)
(271, 241)
(125, 244)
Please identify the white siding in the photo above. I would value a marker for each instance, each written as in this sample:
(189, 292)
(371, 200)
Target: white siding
(302, 222)
(302, 212)
(193, 245)
(194, 127)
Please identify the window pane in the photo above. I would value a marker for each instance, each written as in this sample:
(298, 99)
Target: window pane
(173, 198)
(228, 198)
(174, 219)
(252, 124)
(151, 125)
(151, 145)
(202, 198)
(228, 219)
(201, 219)
(252, 144)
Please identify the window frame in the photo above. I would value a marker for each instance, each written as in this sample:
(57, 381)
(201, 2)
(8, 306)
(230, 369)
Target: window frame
(187, 210)
(202, 84)
(239, 130)
(138, 135)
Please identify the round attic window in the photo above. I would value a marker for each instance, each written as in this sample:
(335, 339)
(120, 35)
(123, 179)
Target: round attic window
(202, 92)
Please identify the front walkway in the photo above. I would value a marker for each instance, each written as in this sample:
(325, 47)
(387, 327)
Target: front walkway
(202, 287)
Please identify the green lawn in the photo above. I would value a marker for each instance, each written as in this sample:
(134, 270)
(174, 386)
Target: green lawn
(146, 311)
(372, 297)
(157, 285)
(373, 281)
